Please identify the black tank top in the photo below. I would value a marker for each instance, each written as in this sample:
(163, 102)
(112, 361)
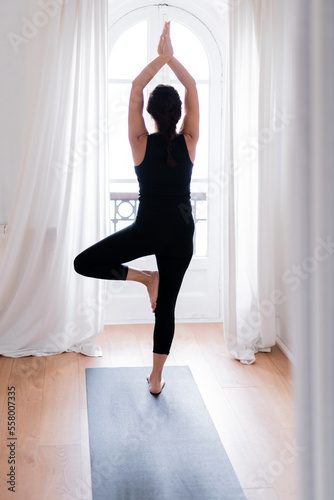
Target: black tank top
(160, 184)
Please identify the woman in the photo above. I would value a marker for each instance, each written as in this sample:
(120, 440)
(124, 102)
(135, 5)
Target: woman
(164, 225)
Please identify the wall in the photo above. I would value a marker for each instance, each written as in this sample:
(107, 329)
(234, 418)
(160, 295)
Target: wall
(285, 111)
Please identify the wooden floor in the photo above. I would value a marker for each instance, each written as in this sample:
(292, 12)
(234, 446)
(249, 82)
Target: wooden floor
(251, 406)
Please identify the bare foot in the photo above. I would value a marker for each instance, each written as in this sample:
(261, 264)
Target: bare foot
(156, 386)
(152, 288)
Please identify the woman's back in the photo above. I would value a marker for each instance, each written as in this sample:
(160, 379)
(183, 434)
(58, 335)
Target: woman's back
(159, 181)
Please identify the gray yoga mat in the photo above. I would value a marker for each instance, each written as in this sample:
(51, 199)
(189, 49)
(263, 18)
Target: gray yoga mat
(146, 447)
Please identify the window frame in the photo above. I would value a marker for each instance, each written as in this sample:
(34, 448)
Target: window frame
(125, 16)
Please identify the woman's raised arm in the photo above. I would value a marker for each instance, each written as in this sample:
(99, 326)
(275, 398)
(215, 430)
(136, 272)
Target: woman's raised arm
(136, 123)
(190, 125)
(137, 127)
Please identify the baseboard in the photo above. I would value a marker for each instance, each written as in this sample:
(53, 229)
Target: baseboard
(285, 349)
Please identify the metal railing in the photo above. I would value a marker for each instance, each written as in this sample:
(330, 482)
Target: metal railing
(124, 208)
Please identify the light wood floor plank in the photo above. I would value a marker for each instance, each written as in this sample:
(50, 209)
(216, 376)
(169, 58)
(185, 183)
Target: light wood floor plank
(92, 362)
(123, 347)
(144, 336)
(27, 375)
(59, 473)
(86, 482)
(268, 438)
(60, 417)
(186, 349)
(27, 455)
(27, 378)
(229, 372)
(282, 362)
(5, 369)
(277, 389)
(234, 438)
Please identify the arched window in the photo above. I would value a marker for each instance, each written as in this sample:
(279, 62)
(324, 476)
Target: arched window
(133, 39)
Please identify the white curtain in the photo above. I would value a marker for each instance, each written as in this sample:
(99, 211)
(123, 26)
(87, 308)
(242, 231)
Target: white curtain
(310, 179)
(250, 127)
(60, 203)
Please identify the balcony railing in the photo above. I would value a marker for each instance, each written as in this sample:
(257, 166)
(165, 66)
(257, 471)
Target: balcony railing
(124, 206)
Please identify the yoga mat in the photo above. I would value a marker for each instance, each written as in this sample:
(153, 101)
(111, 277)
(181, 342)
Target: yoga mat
(146, 447)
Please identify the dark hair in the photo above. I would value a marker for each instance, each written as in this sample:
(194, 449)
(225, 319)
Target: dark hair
(164, 105)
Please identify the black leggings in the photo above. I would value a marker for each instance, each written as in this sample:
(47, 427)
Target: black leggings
(166, 234)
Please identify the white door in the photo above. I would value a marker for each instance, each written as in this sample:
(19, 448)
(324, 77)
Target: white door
(133, 42)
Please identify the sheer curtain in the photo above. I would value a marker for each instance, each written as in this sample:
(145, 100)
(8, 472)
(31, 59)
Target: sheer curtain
(250, 127)
(60, 203)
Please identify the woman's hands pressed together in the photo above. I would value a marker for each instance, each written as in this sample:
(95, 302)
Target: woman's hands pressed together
(165, 44)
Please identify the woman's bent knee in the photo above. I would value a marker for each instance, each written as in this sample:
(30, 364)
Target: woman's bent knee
(78, 264)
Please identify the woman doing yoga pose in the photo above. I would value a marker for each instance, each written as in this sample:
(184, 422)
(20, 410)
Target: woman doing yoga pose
(164, 225)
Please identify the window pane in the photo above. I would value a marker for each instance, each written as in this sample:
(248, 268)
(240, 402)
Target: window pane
(201, 161)
(120, 156)
(129, 54)
(189, 50)
(201, 239)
